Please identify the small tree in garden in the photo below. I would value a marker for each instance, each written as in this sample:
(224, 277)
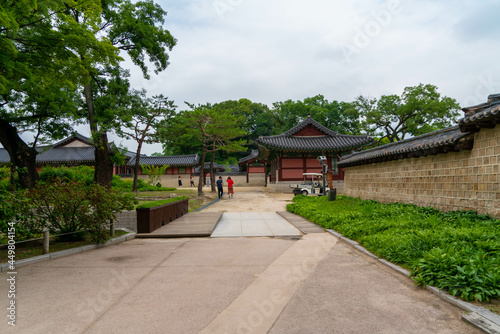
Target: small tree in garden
(143, 124)
(154, 173)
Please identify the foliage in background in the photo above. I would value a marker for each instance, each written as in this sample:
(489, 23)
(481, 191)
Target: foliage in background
(419, 110)
(154, 173)
(457, 251)
(161, 202)
(85, 174)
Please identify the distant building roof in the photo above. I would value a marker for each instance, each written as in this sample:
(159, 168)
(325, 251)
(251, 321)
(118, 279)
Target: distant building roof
(75, 149)
(67, 155)
(74, 137)
(172, 160)
(254, 154)
(309, 135)
(217, 167)
(442, 141)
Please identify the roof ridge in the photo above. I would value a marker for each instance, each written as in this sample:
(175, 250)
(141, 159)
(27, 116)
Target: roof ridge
(428, 134)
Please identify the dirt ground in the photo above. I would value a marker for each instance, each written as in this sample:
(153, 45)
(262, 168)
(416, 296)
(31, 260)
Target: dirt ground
(248, 199)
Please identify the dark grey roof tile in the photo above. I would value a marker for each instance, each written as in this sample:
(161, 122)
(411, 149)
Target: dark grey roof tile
(447, 138)
(173, 160)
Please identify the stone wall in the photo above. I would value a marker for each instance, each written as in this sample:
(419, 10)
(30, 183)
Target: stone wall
(465, 180)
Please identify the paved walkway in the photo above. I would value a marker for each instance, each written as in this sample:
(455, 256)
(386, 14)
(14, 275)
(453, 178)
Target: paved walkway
(192, 224)
(304, 225)
(223, 285)
(254, 224)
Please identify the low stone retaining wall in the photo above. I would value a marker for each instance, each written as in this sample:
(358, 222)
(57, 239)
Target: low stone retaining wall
(151, 219)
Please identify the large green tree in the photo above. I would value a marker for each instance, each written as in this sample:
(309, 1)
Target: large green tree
(72, 43)
(39, 64)
(135, 28)
(206, 126)
(419, 110)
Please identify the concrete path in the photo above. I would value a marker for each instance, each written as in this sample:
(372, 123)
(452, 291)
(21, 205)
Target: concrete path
(254, 224)
(304, 225)
(223, 285)
(192, 224)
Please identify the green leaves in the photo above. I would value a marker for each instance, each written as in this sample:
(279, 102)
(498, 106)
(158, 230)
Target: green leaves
(419, 110)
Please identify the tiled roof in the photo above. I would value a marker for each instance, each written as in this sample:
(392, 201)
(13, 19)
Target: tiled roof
(254, 154)
(173, 160)
(484, 115)
(59, 155)
(66, 155)
(71, 138)
(331, 141)
(207, 167)
(450, 139)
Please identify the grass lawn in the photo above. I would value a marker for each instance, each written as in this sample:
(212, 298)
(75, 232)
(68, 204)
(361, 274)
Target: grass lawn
(35, 248)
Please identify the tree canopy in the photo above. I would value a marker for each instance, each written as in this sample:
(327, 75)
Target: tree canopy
(51, 46)
(419, 110)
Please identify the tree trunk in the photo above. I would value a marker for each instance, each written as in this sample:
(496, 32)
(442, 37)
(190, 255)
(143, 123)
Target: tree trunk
(21, 155)
(136, 166)
(103, 174)
(202, 170)
(212, 173)
(103, 166)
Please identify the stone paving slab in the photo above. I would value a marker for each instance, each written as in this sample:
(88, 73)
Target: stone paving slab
(254, 224)
(304, 225)
(193, 224)
(352, 293)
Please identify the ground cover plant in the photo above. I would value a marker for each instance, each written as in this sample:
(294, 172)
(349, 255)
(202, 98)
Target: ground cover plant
(160, 202)
(456, 251)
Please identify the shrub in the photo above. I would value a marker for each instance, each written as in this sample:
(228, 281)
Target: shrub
(83, 174)
(15, 207)
(71, 206)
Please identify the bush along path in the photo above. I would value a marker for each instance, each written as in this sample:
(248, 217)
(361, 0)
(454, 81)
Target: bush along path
(457, 251)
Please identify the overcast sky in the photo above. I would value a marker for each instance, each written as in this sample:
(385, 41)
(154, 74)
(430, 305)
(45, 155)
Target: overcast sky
(275, 50)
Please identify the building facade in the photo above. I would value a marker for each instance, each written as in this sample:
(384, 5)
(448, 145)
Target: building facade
(296, 151)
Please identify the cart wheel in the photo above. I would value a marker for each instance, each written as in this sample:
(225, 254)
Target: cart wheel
(304, 192)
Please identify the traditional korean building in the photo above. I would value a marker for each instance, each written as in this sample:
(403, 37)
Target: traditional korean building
(75, 150)
(253, 167)
(295, 151)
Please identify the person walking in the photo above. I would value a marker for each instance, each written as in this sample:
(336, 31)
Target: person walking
(179, 180)
(192, 181)
(230, 191)
(220, 189)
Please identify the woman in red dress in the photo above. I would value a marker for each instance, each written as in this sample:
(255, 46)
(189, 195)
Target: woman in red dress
(230, 191)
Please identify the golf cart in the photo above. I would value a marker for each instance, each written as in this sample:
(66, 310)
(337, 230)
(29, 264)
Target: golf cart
(310, 186)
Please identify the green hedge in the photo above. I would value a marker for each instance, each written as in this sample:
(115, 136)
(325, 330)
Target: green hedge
(86, 174)
(161, 202)
(457, 251)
